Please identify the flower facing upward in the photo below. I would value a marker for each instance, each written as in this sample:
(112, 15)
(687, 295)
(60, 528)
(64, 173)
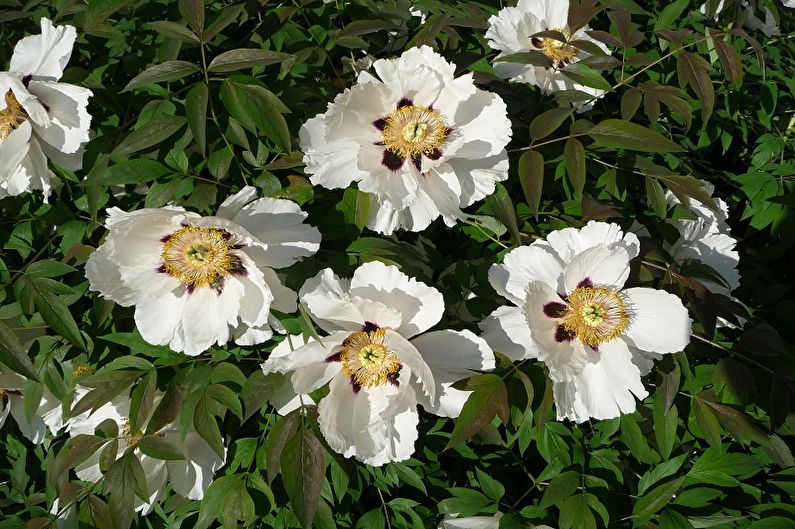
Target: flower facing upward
(573, 313)
(40, 118)
(376, 362)
(196, 281)
(513, 30)
(422, 142)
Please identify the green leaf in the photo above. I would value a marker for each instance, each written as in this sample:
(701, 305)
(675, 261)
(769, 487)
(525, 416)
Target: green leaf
(206, 425)
(575, 513)
(175, 31)
(257, 109)
(531, 176)
(502, 205)
(153, 132)
(303, 473)
(124, 481)
(548, 122)
(13, 355)
(142, 401)
(56, 314)
(656, 195)
(488, 399)
(561, 487)
(193, 12)
(48, 268)
(227, 499)
(242, 58)
(585, 75)
(656, 498)
(707, 422)
(356, 207)
(661, 471)
(159, 448)
(196, 109)
(665, 423)
(574, 156)
(166, 71)
(75, 450)
(620, 134)
(277, 439)
(693, 70)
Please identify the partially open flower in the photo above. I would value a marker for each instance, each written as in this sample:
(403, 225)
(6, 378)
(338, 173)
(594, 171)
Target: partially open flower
(573, 313)
(422, 142)
(514, 29)
(40, 118)
(377, 367)
(196, 281)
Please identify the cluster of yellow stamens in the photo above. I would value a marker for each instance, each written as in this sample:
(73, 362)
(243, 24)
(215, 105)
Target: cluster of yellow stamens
(559, 52)
(595, 315)
(367, 361)
(198, 256)
(11, 117)
(132, 439)
(412, 131)
(83, 370)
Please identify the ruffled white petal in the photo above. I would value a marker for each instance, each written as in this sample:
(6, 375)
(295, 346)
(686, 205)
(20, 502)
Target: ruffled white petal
(604, 389)
(44, 56)
(69, 121)
(473, 522)
(451, 356)
(659, 322)
(419, 305)
(506, 330)
(522, 266)
(306, 360)
(191, 476)
(598, 265)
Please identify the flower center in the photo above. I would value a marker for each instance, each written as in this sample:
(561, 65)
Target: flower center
(413, 130)
(595, 315)
(83, 370)
(129, 437)
(367, 361)
(198, 256)
(11, 117)
(560, 53)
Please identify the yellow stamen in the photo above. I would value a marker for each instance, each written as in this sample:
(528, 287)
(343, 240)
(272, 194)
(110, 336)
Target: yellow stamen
(366, 360)
(412, 131)
(198, 256)
(130, 438)
(12, 116)
(83, 370)
(596, 315)
(560, 53)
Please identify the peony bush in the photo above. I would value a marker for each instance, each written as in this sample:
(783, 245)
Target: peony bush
(397, 264)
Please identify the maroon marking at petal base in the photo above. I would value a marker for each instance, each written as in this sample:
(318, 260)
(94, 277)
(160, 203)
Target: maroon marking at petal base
(380, 123)
(554, 309)
(356, 387)
(417, 161)
(563, 335)
(166, 238)
(237, 268)
(336, 357)
(161, 268)
(26, 80)
(370, 326)
(393, 378)
(434, 154)
(537, 42)
(392, 161)
(405, 102)
(190, 288)
(585, 283)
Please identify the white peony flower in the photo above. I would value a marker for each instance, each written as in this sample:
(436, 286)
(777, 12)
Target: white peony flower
(572, 312)
(196, 281)
(48, 414)
(40, 118)
(422, 142)
(511, 31)
(189, 477)
(376, 362)
(707, 238)
(284, 398)
(477, 522)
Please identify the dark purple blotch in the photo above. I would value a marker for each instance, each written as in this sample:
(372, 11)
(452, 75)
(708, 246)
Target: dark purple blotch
(405, 102)
(563, 335)
(392, 161)
(370, 326)
(555, 309)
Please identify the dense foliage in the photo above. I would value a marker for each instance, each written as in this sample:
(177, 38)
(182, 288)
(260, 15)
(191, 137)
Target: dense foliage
(193, 100)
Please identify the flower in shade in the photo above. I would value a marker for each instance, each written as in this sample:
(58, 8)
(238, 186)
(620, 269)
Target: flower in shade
(513, 30)
(768, 26)
(197, 281)
(47, 414)
(707, 238)
(422, 142)
(378, 360)
(477, 522)
(192, 461)
(40, 118)
(571, 311)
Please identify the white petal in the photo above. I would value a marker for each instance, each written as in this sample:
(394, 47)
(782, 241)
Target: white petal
(279, 224)
(409, 356)
(328, 301)
(232, 205)
(191, 476)
(506, 330)
(285, 399)
(207, 315)
(156, 478)
(474, 522)
(599, 265)
(522, 266)
(452, 356)
(306, 360)
(69, 121)
(420, 306)
(160, 320)
(45, 55)
(604, 389)
(13, 150)
(34, 429)
(659, 321)
(570, 242)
